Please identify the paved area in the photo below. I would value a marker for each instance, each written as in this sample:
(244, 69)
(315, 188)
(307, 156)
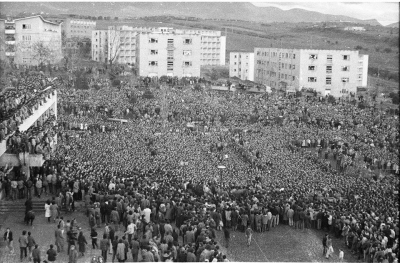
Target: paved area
(281, 244)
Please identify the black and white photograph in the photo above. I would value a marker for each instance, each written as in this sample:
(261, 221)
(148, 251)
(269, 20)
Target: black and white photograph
(199, 131)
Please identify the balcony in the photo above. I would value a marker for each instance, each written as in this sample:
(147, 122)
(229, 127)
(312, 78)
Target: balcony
(9, 31)
(51, 101)
(10, 54)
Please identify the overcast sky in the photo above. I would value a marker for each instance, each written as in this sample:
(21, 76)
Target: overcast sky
(385, 12)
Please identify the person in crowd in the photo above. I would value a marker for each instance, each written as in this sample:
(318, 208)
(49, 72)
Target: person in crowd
(51, 254)
(8, 237)
(23, 245)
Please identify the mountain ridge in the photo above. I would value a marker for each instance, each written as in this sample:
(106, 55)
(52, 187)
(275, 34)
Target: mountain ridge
(203, 10)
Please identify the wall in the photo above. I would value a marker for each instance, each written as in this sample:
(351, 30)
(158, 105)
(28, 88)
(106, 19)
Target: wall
(80, 28)
(2, 40)
(337, 85)
(100, 45)
(36, 31)
(241, 65)
(144, 56)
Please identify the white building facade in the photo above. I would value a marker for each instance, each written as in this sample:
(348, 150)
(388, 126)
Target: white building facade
(213, 46)
(121, 41)
(241, 65)
(78, 28)
(100, 45)
(335, 72)
(168, 54)
(36, 41)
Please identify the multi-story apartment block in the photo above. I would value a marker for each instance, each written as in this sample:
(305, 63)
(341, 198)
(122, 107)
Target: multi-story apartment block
(241, 65)
(121, 46)
(335, 72)
(78, 28)
(7, 40)
(100, 45)
(168, 54)
(2, 39)
(31, 40)
(121, 43)
(213, 46)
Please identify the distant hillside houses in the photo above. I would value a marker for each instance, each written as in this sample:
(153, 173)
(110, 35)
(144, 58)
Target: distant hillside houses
(354, 28)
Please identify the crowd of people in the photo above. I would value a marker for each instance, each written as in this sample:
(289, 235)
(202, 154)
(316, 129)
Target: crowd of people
(188, 162)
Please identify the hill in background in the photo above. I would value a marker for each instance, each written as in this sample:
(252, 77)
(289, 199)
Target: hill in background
(202, 10)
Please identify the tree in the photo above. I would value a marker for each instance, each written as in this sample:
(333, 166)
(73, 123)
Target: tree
(100, 18)
(114, 44)
(63, 39)
(331, 99)
(41, 53)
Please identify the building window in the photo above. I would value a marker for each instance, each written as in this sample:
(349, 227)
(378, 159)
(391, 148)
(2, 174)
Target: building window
(153, 63)
(328, 69)
(345, 80)
(187, 63)
(313, 56)
(26, 60)
(312, 68)
(293, 67)
(328, 81)
(26, 38)
(312, 79)
(359, 76)
(234, 70)
(153, 52)
(234, 63)
(26, 26)
(170, 65)
(293, 78)
(153, 40)
(187, 52)
(344, 91)
(345, 68)
(187, 41)
(346, 57)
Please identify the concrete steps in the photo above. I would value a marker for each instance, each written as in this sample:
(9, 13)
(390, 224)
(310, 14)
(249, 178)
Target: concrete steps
(18, 206)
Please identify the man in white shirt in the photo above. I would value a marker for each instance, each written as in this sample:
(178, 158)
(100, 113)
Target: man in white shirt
(147, 213)
(130, 230)
(111, 186)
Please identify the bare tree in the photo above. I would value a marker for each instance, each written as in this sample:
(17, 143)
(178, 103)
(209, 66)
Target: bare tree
(114, 44)
(41, 52)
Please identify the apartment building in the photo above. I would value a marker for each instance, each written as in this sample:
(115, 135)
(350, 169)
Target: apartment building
(78, 28)
(354, 28)
(121, 46)
(30, 41)
(168, 54)
(213, 46)
(241, 65)
(335, 72)
(122, 43)
(2, 39)
(100, 45)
